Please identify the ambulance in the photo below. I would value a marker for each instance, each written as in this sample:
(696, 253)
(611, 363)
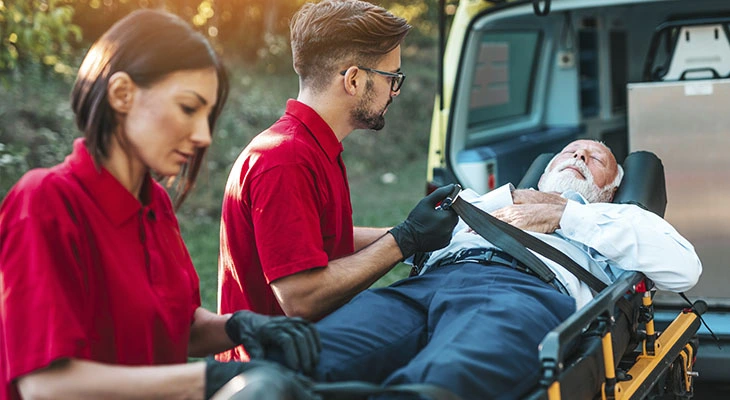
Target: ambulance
(525, 77)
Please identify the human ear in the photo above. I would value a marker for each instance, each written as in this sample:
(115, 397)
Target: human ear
(120, 92)
(350, 83)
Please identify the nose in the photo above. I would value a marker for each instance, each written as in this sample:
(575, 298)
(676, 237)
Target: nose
(580, 153)
(201, 136)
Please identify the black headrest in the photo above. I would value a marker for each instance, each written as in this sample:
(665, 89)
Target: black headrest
(643, 183)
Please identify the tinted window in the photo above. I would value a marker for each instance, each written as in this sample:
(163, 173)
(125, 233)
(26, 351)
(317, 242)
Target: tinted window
(503, 76)
(619, 70)
(589, 78)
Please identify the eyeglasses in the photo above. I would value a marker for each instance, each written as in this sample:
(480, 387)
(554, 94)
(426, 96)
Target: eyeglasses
(397, 78)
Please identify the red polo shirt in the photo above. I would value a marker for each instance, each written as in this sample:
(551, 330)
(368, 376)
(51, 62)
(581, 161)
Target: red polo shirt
(286, 209)
(88, 272)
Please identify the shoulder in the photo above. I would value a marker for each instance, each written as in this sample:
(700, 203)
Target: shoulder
(279, 146)
(40, 193)
(38, 186)
(286, 134)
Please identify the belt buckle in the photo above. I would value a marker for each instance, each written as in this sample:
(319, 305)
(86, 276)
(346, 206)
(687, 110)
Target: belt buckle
(488, 255)
(475, 254)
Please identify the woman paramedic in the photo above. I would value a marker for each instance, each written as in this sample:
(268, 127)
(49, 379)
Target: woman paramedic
(99, 298)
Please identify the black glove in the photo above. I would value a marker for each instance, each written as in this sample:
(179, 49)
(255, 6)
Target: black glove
(260, 335)
(426, 228)
(263, 380)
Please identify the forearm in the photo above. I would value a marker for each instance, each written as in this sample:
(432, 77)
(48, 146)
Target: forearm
(365, 236)
(529, 196)
(207, 334)
(542, 218)
(314, 293)
(76, 379)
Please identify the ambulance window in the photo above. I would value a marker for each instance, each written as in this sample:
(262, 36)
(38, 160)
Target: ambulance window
(619, 70)
(503, 76)
(588, 66)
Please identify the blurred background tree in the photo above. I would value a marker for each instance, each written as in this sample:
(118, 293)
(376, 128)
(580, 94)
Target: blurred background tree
(37, 32)
(42, 43)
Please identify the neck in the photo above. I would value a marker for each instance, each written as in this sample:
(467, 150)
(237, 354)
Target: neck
(130, 172)
(334, 110)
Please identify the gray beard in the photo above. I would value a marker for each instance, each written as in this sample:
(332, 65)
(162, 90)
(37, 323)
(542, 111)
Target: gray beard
(563, 181)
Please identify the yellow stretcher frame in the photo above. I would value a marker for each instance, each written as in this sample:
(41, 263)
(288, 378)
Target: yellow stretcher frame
(658, 353)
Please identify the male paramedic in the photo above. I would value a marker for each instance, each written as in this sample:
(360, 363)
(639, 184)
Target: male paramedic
(288, 245)
(470, 322)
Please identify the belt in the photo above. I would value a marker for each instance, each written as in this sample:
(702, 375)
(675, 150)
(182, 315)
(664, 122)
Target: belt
(493, 256)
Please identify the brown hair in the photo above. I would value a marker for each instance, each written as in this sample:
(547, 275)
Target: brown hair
(326, 36)
(147, 45)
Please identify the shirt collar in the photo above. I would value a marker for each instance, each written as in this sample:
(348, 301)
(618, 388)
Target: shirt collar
(575, 196)
(322, 133)
(116, 202)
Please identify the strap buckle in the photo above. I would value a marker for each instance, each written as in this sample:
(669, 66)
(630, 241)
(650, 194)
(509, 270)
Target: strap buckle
(450, 199)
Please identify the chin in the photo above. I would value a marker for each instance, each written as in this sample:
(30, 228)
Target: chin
(168, 170)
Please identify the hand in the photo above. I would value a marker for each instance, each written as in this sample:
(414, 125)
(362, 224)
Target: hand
(263, 380)
(259, 334)
(529, 196)
(426, 228)
(542, 218)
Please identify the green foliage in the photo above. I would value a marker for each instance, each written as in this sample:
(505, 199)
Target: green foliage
(37, 32)
(247, 30)
(421, 14)
(37, 128)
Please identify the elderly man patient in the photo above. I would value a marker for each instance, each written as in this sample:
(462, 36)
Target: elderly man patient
(473, 325)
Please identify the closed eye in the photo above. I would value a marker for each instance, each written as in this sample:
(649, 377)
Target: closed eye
(187, 109)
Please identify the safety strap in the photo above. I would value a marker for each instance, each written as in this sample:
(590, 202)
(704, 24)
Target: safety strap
(516, 243)
(348, 390)
(694, 309)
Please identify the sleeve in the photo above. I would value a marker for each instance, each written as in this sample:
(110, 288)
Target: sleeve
(285, 211)
(496, 199)
(635, 240)
(44, 298)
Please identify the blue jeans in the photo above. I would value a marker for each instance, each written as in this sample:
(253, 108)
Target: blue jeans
(469, 328)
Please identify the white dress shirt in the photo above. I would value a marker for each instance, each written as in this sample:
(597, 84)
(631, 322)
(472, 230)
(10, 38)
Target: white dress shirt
(604, 238)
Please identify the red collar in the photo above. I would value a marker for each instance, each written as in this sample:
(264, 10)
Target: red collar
(322, 133)
(114, 199)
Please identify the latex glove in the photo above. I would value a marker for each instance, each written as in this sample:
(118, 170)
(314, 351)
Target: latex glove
(426, 228)
(260, 335)
(262, 380)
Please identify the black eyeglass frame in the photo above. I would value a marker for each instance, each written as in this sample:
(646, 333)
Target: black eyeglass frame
(397, 78)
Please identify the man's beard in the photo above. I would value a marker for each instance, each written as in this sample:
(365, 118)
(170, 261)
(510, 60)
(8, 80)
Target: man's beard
(362, 116)
(560, 180)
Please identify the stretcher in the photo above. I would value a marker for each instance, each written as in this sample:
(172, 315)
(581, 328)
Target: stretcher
(607, 350)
